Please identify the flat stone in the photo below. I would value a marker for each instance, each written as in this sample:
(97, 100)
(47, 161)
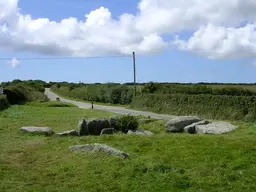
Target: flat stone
(37, 130)
(68, 133)
(139, 132)
(100, 149)
(215, 128)
(136, 132)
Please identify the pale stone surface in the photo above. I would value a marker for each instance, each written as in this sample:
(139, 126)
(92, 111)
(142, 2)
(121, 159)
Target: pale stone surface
(215, 128)
(99, 148)
(37, 130)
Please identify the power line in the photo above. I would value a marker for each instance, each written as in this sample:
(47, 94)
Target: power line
(63, 58)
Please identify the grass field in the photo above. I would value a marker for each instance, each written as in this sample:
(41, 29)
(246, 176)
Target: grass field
(163, 162)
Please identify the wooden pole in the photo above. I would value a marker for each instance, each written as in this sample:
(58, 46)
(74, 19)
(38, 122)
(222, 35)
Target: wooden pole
(134, 72)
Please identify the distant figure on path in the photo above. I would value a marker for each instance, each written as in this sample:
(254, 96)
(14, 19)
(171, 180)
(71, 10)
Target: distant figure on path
(92, 104)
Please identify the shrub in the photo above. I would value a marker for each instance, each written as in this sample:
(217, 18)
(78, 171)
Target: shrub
(3, 102)
(116, 94)
(17, 94)
(126, 122)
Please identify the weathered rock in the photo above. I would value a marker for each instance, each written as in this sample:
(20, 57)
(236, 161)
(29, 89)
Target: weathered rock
(37, 130)
(95, 126)
(82, 128)
(99, 148)
(139, 132)
(68, 133)
(192, 128)
(108, 131)
(92, 126)
(179, 123)
(215, 128)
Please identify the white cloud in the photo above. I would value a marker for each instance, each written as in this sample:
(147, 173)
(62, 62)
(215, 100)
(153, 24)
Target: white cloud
(217, 25)
(14, 63)
(217, 42)
(164, 16)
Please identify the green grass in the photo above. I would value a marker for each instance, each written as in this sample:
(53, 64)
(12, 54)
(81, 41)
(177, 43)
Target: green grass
(50, 104)
(163, 162)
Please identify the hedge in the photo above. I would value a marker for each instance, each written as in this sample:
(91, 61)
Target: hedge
(207, 106)
(98, 93)
(195, 89)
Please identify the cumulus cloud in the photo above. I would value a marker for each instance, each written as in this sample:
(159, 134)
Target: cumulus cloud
(217, 42)
(219, 30)
(170, 16)
(14, 63)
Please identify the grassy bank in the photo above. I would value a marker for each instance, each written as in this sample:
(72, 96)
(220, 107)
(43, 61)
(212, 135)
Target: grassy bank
(208, 106)
(163, 162)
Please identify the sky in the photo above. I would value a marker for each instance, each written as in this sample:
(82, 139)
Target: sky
(185, 41)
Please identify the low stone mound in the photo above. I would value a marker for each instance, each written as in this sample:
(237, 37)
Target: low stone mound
(92, 126)
(179, 123)
(193, 125)
(100, 149)
(37, 130)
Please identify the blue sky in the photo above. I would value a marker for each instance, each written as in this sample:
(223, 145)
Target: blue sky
(169, 65)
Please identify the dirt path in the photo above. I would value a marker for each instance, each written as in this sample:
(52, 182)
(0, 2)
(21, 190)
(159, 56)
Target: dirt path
(115, 109)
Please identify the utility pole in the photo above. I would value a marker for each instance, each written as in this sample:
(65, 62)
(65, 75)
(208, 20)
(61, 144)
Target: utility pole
(134, 72)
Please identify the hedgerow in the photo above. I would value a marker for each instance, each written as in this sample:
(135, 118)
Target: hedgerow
(207, 106)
